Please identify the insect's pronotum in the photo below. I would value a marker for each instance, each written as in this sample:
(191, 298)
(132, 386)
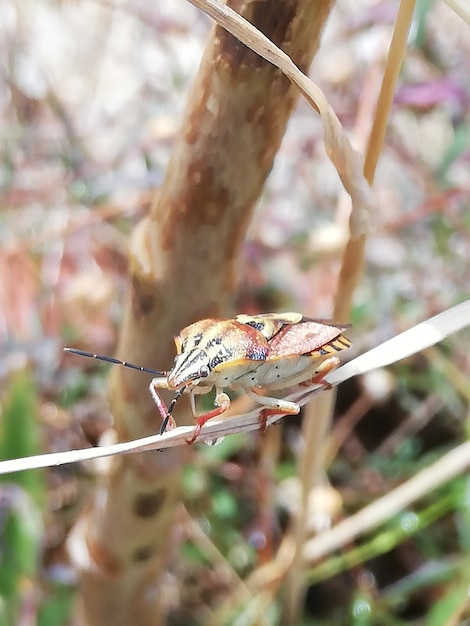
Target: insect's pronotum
(249, 352)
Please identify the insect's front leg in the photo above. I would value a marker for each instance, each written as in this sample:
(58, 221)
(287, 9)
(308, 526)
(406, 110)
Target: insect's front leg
(161, 383)
(275, 406)
(222, 402)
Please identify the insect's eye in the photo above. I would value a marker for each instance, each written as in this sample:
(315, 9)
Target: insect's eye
(204, 371)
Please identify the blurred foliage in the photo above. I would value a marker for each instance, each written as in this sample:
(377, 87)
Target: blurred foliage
(21, 498)
(78, 171)
(22, 501)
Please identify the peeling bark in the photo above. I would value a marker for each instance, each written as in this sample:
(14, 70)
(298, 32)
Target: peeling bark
(183, 267)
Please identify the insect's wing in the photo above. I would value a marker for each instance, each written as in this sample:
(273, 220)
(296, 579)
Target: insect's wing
(308, 337)
(269, 324)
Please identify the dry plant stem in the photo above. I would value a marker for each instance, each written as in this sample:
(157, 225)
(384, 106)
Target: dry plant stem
(452, 464)
(392, 69)
(415, 422)
(457, 377)
(344, 427)
(219, 561)
(311, 462)
(270, 447)
(316, 430)
(265, 580)
(345, 158)
(461, 7)
(183, 268)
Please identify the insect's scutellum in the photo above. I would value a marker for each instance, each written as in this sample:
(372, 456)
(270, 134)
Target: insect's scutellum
(250, 352)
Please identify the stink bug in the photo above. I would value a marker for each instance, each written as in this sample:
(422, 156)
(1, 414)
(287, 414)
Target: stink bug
(249, 352)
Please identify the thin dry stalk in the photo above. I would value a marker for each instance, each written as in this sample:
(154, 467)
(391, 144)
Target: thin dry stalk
(318, 419)
(452, 464)
(414, 423)
(245, 593)
(457, 377)
(346, 425)
(461, 7)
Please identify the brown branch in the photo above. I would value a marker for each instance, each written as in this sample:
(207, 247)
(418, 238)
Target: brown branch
(183, 267)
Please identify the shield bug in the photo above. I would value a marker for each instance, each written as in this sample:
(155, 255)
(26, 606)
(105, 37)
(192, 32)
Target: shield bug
(251, 353)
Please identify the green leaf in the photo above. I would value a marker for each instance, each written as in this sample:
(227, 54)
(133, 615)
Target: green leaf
(21, 524)
(56, 610)
(450, 606)
(19, 432)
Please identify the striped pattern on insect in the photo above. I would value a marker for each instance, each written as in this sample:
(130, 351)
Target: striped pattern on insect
(250, 352)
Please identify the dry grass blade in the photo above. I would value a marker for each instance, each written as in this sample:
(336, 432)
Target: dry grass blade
(347, 161)
(461, 7)
(384, 104)
(450, 465)
(245, 593)
(403, 345)
(315, 431)
(409, 342)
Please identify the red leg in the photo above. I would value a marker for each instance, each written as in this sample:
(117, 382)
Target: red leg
(325, 368)
(273, 406)
(263, 418)
(202, 419)
(224, 404)
(316, 380)
(161, 406)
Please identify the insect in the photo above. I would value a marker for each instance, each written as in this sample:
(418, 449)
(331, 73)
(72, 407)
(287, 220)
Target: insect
(250, 352)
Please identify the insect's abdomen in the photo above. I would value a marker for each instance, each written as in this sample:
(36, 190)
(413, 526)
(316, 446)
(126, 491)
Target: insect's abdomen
(332, 347)
(274, 374)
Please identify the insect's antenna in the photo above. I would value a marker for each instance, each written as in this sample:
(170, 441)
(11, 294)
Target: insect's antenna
(171, 408)
(110, 359)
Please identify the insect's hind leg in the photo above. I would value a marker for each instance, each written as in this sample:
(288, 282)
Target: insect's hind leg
(274, 406)
(322, 370)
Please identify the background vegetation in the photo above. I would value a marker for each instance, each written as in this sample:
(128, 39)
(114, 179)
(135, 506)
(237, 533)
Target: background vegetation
(91, 97)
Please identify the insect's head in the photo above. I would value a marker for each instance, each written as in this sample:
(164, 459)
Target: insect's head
(189, 369)
(192, 362)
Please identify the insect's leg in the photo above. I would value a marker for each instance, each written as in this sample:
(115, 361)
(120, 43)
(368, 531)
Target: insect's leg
(161, 383)
(321, 370)
(192, 403)
(274, 406)
(223, 404)
(277, 404)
